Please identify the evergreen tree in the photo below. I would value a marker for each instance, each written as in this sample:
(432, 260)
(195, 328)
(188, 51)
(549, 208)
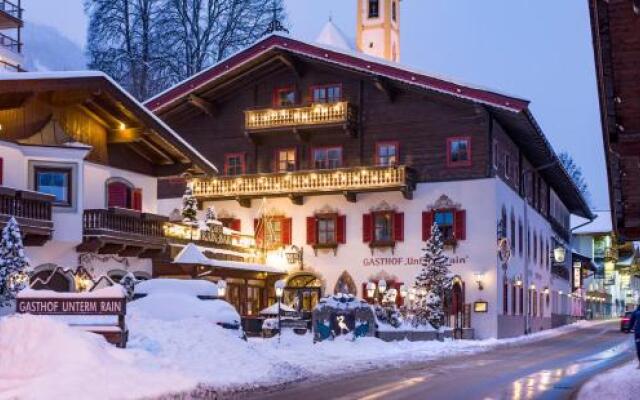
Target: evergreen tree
(432, 282)
(575, 172)
(189, 207)
(13, 262)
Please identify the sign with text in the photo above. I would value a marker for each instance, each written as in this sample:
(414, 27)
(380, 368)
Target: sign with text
(406, 261)
(71, 306)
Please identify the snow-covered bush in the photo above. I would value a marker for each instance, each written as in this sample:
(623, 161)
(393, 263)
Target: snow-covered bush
(189, 207)
(128, 282)
(14, 265)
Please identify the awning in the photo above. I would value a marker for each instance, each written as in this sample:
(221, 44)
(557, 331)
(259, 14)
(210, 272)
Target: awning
(192, 255)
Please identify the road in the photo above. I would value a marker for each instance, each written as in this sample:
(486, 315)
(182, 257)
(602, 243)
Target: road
(552, 368)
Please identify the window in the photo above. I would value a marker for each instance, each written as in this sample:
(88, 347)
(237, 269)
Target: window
(521, 300)
(326, 230)
(507, 166)
(520, 237)
(234, 164)
(54, 181)
(122, 194)
(535, 247)
(459, 152)
(327, 157)
(386, 153)
(496, 155)
(528, 243)
(272, 232)
(512, 232)
(374, 8)
(383, 227)
(286, 160)
(326, 93)
(505, 298)
(284, 97)
(514, 289)
(444, 219)
(394, 11)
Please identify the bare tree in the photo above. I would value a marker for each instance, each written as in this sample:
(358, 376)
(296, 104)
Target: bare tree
(148, 45)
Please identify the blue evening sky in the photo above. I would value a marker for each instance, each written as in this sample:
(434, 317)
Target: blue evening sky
(537, 49)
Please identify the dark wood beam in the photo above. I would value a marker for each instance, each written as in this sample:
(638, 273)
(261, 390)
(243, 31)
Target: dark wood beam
(116, 136)
(156, 149)
(172, 170)
(292, 65)
(14, 100)
(383, 85)
(207, 107)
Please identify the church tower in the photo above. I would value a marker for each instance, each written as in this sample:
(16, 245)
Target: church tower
(378, 31)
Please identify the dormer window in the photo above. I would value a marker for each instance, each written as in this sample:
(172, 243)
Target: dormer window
(374, 8)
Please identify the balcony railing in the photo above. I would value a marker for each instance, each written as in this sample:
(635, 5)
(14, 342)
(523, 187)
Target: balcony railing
(121, 231)
(11, 8)
(344, 180)
(318, 114)
(10, 43)
(31, 210)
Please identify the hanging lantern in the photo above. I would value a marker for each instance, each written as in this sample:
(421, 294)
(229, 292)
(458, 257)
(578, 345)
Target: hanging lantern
(371, 289)
(382, 286)
(559, 254)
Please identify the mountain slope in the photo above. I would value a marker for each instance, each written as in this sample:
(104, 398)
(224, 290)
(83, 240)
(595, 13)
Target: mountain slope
(46, 49)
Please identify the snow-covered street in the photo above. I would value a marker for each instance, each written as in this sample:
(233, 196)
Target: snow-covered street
(176, 356)
(621, 384)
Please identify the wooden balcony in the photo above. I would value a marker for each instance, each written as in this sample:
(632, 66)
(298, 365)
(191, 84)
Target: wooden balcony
(31, 210)
(10, 14)
(297, 185)
(318, 115)
(124, 232)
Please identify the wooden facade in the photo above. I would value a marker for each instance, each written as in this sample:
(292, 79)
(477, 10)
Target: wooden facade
(421, 115)
(615, 25)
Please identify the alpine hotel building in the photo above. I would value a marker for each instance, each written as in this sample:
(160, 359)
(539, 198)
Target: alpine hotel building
(345, 157)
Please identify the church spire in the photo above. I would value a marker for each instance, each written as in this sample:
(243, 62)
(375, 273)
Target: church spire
(378, 30)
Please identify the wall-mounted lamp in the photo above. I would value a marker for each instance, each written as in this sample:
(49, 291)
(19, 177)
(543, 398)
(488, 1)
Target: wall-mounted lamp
(518, 281)
(222, 288)
(371, 290)
(382, 286)
(479, 277)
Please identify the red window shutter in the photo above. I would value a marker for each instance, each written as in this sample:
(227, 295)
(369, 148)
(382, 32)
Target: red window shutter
(398, 227)
(427, 223)
(460, 224)
(367, 228)
(311, 230)
(341, 229)
(137, 199)
(258, 231)
(286, 231)
(235, 225)
(117, 195)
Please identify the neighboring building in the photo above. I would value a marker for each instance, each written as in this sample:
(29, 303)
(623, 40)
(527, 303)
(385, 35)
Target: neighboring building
(615, 27)
(351, 159)
(615, 285)
(378, 29)
(11, 23)
(79, 163)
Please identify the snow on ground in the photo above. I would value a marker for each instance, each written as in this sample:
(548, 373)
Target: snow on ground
(41, 358)
(620, 383)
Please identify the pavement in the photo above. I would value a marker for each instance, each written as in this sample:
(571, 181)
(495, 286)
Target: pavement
(552, 368)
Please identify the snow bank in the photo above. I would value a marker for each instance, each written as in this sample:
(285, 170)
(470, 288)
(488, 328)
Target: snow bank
(44, 359)
(620, 384)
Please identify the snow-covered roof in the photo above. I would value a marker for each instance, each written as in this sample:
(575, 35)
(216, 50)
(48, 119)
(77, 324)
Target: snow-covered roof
(25, 76)
(332, 36)
(192, 287)
(192, 255)
(602, 224)
(345, 57)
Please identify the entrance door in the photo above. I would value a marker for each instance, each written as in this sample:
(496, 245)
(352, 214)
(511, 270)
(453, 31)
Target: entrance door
(456, 309)
(303, 292)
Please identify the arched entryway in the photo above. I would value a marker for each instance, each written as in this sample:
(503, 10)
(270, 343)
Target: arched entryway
(345, 284)
(454, 305)
(52, 277)
(303, 292)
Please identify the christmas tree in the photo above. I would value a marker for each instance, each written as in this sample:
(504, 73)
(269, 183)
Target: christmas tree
(189, 207)
(211, 217)
(432, 282)
(14, 265)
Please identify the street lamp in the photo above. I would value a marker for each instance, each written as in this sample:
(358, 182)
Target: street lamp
(295, 255)
(371, 289)
(382, 286)
(279, 286)
(222, 288)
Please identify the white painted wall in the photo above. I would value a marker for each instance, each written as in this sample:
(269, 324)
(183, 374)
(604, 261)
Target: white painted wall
(95, 186)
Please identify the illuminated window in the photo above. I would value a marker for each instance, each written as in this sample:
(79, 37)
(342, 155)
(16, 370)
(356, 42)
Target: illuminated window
(286, 160)
(54, 181)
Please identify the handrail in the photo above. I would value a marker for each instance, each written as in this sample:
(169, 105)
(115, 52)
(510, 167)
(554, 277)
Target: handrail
(314, 114)
(301, 182)
(128, 223)
(11, 8)
(20, 204)
(10, 43)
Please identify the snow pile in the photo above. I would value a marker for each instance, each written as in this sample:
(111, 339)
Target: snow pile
(620, 384)
(44, 359)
